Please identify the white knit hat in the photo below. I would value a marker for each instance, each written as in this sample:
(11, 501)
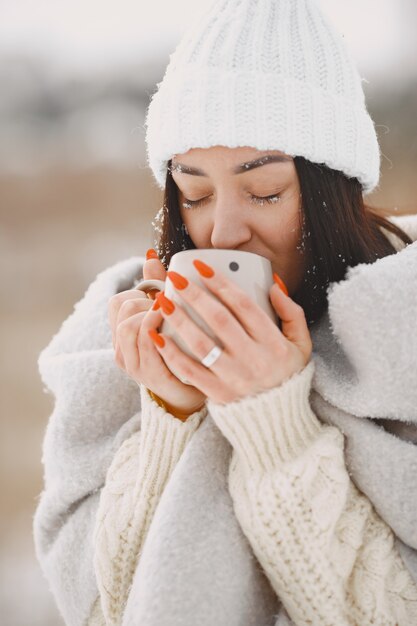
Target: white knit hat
(270, 74)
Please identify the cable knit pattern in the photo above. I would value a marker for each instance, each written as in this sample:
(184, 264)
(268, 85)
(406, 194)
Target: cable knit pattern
(328, 555)
(134, 483)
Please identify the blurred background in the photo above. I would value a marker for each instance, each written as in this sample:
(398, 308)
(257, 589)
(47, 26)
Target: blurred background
(76, 194)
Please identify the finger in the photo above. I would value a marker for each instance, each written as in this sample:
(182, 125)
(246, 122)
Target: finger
(132, 306)
(127, 352)
(235, 318)
(147, 348)
(116, 302)
(188, 369)
(153, 268)
(196, 340)
(293, 321)
(118, 357)
(127, 318)
(127, 346)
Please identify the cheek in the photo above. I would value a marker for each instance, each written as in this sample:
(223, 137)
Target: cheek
(284, 244)
(197, 226)
(284, 229)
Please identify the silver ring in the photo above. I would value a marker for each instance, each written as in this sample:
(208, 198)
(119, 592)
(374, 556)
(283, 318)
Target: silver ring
(212, 356)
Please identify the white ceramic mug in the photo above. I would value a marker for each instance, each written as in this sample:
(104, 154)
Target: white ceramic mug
(251, 272)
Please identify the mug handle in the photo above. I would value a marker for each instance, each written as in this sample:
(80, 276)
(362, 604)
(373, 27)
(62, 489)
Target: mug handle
(151, 283)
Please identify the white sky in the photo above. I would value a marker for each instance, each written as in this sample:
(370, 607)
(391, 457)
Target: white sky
(89, 35)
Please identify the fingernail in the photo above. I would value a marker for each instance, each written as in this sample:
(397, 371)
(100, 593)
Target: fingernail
(179, 281)
(156, 338)
(280, 283)
(166, 304)
(155, 305)
(151, 254)
(203, 269)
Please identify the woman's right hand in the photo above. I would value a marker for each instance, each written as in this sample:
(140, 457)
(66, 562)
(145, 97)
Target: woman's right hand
(130, 317)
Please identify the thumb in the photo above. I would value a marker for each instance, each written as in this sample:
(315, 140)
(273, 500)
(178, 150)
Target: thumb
(293, 321)
(153, 268)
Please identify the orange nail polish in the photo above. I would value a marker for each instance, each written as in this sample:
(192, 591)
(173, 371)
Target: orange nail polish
(203, 269)
(166, 304)
(151, 254)
(280, 283)
(156, 304)
(179, 281)
(152, 293)
(156, 338)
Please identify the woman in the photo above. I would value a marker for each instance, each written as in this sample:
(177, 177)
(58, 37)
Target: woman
(278, 487)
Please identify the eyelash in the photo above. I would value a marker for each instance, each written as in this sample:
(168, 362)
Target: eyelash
(260, 200)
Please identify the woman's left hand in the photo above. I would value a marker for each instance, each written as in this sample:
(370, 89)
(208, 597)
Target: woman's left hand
(257, 355)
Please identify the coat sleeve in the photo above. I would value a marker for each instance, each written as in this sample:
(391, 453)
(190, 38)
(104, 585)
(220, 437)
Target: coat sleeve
(329, 556)
(96, 407)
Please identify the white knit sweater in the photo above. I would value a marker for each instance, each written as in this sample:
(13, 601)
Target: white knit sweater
(114, 494)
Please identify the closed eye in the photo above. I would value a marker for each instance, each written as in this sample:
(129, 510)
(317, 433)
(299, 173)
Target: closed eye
(260, 200)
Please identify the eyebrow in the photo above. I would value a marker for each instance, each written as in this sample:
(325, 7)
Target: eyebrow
(239, 169)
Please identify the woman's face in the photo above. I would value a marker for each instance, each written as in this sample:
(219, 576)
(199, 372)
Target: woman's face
(241, 199)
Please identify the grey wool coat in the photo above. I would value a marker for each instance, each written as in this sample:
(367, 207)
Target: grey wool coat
(197, 566)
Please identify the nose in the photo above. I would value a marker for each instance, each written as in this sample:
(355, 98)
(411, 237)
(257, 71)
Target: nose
(231, 227)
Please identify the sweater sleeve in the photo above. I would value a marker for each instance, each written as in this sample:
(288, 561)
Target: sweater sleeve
(330, 558)
(134, 483)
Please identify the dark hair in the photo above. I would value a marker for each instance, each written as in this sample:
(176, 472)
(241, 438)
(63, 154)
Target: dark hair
(338, 230)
